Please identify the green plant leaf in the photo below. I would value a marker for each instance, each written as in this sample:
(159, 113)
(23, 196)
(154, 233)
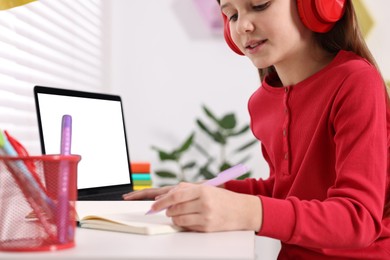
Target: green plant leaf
(245, 159)
(246, 175)
(216, 136)
(228, 122)
(189, 165)
(240, 132)
(224, 166)
(158, 149)
(186, 145)
(165, 174)
(219, 138)
(246, 146)
(205, 172)
(210, 114)
(167, 156)
(203, 152)
(203, 127)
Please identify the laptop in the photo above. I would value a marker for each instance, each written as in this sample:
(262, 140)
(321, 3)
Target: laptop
(98, 135)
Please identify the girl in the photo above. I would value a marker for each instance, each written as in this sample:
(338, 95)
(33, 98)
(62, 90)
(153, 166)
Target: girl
(322, 117)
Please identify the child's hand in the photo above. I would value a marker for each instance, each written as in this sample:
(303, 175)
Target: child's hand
(208, 209)
(151, 193)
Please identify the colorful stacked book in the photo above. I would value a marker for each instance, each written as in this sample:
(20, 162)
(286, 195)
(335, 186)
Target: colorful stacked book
(142, 178)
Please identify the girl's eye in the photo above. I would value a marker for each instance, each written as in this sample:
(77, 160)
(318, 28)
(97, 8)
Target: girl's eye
(233, 17)
(261, 7)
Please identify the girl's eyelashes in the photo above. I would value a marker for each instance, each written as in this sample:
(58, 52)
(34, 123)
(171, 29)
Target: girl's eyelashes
(233, 17)
(261, 7)
(257, 8)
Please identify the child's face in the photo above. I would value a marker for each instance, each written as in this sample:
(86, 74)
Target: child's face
(269, 32)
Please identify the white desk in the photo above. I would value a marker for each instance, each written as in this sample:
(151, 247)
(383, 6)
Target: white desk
(96, 244)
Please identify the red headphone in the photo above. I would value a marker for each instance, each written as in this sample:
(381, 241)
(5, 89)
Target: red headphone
(317, 15)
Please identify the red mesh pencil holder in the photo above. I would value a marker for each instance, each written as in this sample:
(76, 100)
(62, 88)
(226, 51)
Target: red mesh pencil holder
(37, 202)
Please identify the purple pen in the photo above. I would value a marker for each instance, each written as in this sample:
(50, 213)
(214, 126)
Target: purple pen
(224, 176)
(66, 135)
(63, 185)
(227, 175)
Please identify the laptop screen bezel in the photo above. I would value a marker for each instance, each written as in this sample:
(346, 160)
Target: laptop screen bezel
(85, 193)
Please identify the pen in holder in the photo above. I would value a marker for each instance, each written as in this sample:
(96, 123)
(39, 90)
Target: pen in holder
(63, 187)
(29, 217)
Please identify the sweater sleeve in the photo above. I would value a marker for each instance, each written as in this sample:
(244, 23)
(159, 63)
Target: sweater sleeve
(351, 215)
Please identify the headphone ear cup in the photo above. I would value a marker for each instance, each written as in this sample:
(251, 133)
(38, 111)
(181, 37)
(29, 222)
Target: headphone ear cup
(228, 37)
(320, 15)
(330, 11)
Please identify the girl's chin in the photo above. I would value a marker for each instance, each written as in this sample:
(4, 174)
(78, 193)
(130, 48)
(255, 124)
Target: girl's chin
(260, 62)
(261, 65)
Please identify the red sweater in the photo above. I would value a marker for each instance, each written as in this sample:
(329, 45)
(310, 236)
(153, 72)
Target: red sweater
(326, 142)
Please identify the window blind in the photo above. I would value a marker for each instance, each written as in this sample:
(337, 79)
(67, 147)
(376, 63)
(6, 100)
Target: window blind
(51, 43)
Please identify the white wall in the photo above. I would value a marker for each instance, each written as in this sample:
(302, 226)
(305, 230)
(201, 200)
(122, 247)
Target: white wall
(378, 39)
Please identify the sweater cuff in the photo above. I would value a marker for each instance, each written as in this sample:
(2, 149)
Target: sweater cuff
(240, 186)
(278, 218)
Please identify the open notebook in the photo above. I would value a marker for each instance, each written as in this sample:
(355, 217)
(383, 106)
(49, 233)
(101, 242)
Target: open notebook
(131, 222)
(123, 216)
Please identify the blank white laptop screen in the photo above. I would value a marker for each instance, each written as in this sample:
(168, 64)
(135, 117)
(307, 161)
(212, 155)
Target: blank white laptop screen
(98, 135)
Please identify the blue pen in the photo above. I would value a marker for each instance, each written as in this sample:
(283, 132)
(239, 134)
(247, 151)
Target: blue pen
(37, 198)
(63, 185)
(221, 178)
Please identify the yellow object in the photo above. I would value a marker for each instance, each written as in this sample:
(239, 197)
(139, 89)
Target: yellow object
(366, 20)
(7, 4)
(141, 187)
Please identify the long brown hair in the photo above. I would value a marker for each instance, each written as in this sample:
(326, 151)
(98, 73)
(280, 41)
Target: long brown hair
(345, 35)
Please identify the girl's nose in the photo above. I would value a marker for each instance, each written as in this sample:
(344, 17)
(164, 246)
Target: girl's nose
(244, 25)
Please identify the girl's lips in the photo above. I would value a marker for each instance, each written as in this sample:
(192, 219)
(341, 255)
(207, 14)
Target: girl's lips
(253, 47)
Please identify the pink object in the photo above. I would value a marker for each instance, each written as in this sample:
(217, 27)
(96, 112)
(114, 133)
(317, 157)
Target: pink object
(211, 13)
